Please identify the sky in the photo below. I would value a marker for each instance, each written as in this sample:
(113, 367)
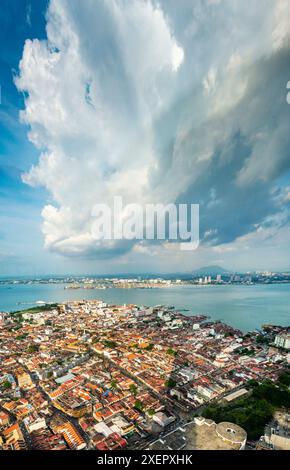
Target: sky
(154, 101)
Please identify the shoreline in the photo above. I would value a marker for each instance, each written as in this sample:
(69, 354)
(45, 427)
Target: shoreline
(203, 318)
(244, 307)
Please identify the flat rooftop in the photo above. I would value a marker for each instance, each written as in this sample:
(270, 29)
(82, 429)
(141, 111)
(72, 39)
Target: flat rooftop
(176, 440)
(235, 395)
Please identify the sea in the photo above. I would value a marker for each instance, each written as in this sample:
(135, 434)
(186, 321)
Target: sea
(246, 307)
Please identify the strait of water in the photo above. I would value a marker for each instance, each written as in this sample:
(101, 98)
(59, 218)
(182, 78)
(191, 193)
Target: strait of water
(244, 307)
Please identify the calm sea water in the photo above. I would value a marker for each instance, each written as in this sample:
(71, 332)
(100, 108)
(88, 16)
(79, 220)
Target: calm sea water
(244, 307)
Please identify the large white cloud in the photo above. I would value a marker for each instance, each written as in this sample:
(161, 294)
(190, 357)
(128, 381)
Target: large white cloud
(133, 98)
(94, 88)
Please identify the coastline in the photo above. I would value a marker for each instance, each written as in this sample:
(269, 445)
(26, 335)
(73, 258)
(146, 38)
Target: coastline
(244, 307)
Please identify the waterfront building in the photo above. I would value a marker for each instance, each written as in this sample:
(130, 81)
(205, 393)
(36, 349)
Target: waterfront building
(283, 341)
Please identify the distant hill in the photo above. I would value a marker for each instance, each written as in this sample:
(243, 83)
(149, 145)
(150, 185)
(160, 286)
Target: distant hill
(211, 270)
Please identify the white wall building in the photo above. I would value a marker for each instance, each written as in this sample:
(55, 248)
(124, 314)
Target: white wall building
(283, 341)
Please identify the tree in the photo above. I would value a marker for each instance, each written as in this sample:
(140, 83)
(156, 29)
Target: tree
(21, 337)
(171, 352)
(262, 339)
(6, 385)
(133, 389)
(228, 334)
(284, 379)
(170, 383)
(246, 352)
(252, 413)
(32, 348)
(110, 344)
(252, 383)
(275, 395)
(114, 384)
(139, 405)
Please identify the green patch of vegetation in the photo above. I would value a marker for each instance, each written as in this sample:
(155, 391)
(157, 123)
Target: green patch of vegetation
(110, 344)
(252, 413)
(149, 347)
(133, 389)
(22, 337)
(39, 308)
(171, 352)
(246, 352)
(252, 383)
(139, 405)
(284, 379)
(262, 339)
(32, 348)
(170, 383)
(17, 316)
(6, 385)
(151, 412)
(114, 384)
(273, 393)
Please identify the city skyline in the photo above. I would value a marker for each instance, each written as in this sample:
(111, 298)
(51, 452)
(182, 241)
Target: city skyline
(153, 102)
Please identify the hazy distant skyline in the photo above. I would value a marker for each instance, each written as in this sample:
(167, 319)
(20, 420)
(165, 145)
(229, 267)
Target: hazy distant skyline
(159, 101)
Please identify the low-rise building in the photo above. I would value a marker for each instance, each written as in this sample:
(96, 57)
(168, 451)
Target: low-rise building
(277, 434)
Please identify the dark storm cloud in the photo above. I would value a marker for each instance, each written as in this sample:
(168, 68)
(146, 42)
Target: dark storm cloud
(252, 150)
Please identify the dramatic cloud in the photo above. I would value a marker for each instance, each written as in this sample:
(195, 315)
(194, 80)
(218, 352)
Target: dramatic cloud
(160, 102)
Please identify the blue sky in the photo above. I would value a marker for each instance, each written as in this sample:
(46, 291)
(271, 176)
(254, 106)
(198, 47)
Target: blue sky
(20, 206)
(153, 101)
